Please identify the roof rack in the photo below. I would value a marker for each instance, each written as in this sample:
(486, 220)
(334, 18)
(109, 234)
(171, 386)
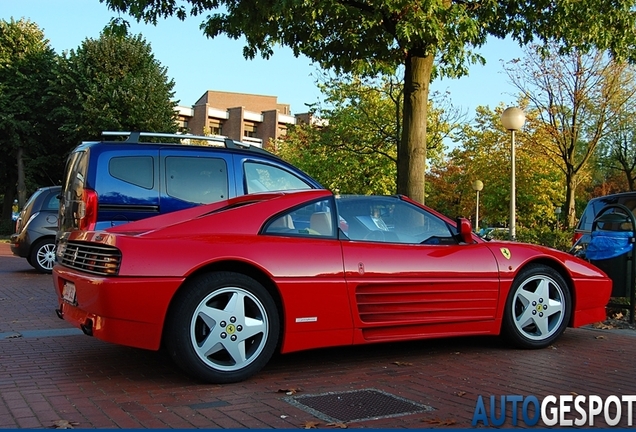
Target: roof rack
(133, 137)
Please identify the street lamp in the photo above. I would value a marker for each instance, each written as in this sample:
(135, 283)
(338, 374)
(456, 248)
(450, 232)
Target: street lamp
(478, 185)
(557, 211)
(512, 119)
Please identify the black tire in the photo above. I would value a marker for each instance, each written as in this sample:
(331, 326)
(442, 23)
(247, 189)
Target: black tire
(42, 256)
(244, 335)
(538, 307)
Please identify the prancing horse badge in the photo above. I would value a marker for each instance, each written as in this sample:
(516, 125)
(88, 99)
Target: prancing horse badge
(505, 252)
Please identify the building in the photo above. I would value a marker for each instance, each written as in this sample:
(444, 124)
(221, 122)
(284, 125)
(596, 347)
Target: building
(255, 119)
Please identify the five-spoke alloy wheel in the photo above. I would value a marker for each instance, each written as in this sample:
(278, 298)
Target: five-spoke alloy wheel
(538, 307)
(223, 327)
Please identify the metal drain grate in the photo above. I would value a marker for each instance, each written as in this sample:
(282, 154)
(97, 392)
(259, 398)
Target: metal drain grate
(356, 405)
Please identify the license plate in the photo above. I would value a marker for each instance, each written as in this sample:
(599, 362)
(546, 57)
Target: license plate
(68, 292)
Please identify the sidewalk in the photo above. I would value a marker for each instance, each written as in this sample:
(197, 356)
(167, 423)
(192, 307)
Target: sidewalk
(52, 380)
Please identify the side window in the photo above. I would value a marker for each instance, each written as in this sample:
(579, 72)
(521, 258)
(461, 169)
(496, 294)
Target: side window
(314, 220)
(196, 179)
(261, 177)
(52, 202)
(390, 220)
(136, 170)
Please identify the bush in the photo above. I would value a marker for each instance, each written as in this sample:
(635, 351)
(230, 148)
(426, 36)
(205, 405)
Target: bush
(7, 227)
(544, 236)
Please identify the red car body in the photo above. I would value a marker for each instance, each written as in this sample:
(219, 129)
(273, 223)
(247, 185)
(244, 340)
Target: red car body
(327, 290)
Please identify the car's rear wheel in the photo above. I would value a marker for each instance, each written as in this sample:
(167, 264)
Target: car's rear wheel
(42, 256)
(223, 327)
(538, 307)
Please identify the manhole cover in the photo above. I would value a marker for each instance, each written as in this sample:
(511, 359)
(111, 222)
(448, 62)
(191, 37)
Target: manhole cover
(356, 405)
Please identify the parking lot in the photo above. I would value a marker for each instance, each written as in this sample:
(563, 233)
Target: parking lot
(51, 375)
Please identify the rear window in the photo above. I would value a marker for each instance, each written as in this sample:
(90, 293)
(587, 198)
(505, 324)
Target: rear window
(52, 202)
(75, 176)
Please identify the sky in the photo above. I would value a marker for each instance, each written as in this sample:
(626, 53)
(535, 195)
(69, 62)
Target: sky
(198, 64)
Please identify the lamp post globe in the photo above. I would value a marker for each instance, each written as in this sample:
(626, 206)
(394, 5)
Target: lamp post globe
(513, 119)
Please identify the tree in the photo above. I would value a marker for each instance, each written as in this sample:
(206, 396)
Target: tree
(112, 83)
(361, 122)
(484, 155)
(367, 37)
(26, 68)
(577, 96)
(618, 149)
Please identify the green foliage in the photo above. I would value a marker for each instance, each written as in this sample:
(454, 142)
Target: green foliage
(546, 236)
(112, 83)
(355, 149)
(26, 137)
(485, 155)
(429, 38)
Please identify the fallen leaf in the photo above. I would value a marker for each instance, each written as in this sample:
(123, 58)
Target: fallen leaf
(283, 416)
(337, 425)
(440, 422)
(401, 363)
(460, 393)
(618, 315)
(602, 326)
(574, 393)
(64, 424)
(310, 425)
(290, 391)
(599, 337)
(456, 353)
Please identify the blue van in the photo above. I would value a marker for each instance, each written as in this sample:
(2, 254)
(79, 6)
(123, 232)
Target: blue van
(111, 182)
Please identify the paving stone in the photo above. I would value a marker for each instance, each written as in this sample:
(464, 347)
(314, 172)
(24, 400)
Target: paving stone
(60, 376)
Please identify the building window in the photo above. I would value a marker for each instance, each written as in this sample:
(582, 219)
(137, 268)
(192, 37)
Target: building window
(216, 128)
(250, 130)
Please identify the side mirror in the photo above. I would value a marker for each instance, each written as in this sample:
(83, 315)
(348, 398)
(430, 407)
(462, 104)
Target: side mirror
(465, 230)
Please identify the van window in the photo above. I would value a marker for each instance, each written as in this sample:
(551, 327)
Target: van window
(196, 179)
(262, 177)
(136, 170)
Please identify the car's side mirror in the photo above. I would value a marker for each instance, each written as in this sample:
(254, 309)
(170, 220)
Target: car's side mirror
(465, 230)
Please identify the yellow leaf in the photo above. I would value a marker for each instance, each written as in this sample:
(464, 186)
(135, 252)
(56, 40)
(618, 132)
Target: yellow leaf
(64, 424)
(401, 363)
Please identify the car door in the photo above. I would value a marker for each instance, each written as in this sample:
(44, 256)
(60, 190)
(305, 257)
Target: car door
(306, 266)
(408, 276)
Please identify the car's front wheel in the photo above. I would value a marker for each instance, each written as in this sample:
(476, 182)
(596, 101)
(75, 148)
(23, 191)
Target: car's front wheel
(223, 327)
(538, 307)
(42, 256)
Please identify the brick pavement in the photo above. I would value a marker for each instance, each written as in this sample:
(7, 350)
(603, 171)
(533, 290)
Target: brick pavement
(92, 384)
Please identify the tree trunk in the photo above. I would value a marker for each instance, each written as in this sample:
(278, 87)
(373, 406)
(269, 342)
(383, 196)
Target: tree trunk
(570, 192)
(9, 196)
(21, 185)
(412, 146)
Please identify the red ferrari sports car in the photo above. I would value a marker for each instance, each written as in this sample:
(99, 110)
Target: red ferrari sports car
(224, 285)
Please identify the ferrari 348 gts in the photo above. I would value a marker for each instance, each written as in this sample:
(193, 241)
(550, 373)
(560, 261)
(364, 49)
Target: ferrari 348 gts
(223, 286)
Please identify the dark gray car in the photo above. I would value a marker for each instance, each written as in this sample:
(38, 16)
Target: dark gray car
(35, 229)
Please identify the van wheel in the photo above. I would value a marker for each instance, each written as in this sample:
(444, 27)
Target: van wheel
(42, 256)
(223, 328)
(538, 307)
